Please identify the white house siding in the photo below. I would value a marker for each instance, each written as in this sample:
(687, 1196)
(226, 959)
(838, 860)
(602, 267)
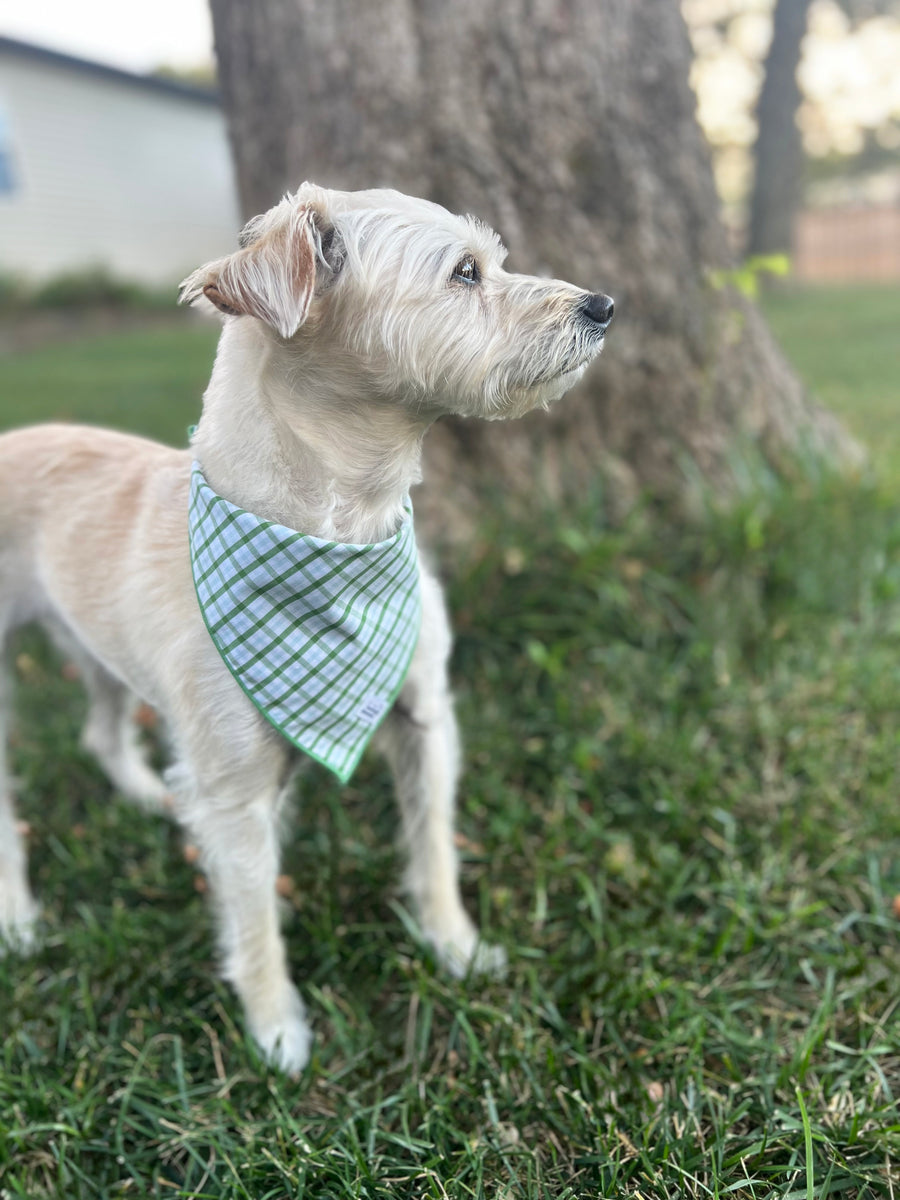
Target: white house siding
(109, 169)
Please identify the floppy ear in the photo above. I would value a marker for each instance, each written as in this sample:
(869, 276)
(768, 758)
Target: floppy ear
(272, 278)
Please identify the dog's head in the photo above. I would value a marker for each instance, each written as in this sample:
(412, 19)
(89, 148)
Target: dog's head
(406, 300)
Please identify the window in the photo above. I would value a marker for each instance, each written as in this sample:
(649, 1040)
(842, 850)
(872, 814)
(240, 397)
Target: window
(8, 180)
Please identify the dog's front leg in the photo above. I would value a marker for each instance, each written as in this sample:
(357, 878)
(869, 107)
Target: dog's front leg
(238, 842)
(420, 741)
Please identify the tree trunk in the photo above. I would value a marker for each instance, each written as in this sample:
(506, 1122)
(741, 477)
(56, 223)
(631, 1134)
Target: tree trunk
(778, 154)
(568, 125)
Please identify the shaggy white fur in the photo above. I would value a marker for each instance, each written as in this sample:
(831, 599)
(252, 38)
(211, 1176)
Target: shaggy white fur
(353, 321)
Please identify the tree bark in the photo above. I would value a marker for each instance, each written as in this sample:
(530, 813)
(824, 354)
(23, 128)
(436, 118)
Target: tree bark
(778, 153)
(568, 125)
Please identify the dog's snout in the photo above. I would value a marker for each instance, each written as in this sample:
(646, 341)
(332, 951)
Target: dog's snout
(599, 309)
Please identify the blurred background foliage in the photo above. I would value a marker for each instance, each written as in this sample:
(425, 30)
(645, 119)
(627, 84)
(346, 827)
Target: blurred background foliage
(848, 108)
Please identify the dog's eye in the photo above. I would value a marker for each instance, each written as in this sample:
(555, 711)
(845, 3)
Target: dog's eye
(466, 270)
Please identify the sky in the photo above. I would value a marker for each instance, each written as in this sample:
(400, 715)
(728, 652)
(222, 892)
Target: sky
(137, 36)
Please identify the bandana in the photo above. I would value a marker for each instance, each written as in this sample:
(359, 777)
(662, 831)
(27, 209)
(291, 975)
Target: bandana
(318, 634)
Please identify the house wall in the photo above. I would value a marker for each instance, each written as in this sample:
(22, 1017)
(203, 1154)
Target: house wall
(97, 169)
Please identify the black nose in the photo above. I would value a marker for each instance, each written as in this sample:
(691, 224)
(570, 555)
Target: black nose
(599, 309)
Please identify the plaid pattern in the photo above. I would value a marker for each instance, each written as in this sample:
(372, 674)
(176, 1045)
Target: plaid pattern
(318, 634)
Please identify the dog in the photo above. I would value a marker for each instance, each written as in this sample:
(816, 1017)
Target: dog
(351, 321)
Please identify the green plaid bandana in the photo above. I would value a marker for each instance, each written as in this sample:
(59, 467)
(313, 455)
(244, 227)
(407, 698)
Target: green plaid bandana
(318, 634)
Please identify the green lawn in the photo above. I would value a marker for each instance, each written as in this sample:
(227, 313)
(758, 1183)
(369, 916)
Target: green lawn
(845, 342)
(680, 817)
(148, 381)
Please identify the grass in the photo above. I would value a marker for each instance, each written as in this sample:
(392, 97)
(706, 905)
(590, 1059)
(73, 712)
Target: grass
(679, 816)
(843, 341)
(149, 381)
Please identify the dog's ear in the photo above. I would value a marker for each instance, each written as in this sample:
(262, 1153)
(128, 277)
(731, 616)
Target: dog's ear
(273, 277)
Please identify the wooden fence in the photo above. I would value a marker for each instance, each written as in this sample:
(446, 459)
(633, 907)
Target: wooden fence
(832, 245)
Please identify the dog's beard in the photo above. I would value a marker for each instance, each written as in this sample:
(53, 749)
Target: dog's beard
(521, 400)
(553, 371)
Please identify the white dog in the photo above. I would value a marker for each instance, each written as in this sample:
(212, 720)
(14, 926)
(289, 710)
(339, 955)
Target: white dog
(354, 320)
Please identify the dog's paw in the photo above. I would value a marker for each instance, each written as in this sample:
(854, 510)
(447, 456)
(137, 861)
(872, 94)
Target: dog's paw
(489, 961)
(142, 786)
(126, 768)
(467, 955)
(18, 921)
(285, 1039)
(146, 789)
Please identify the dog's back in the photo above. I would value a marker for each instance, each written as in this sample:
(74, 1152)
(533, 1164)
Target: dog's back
(66, 492)
(88, 517)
